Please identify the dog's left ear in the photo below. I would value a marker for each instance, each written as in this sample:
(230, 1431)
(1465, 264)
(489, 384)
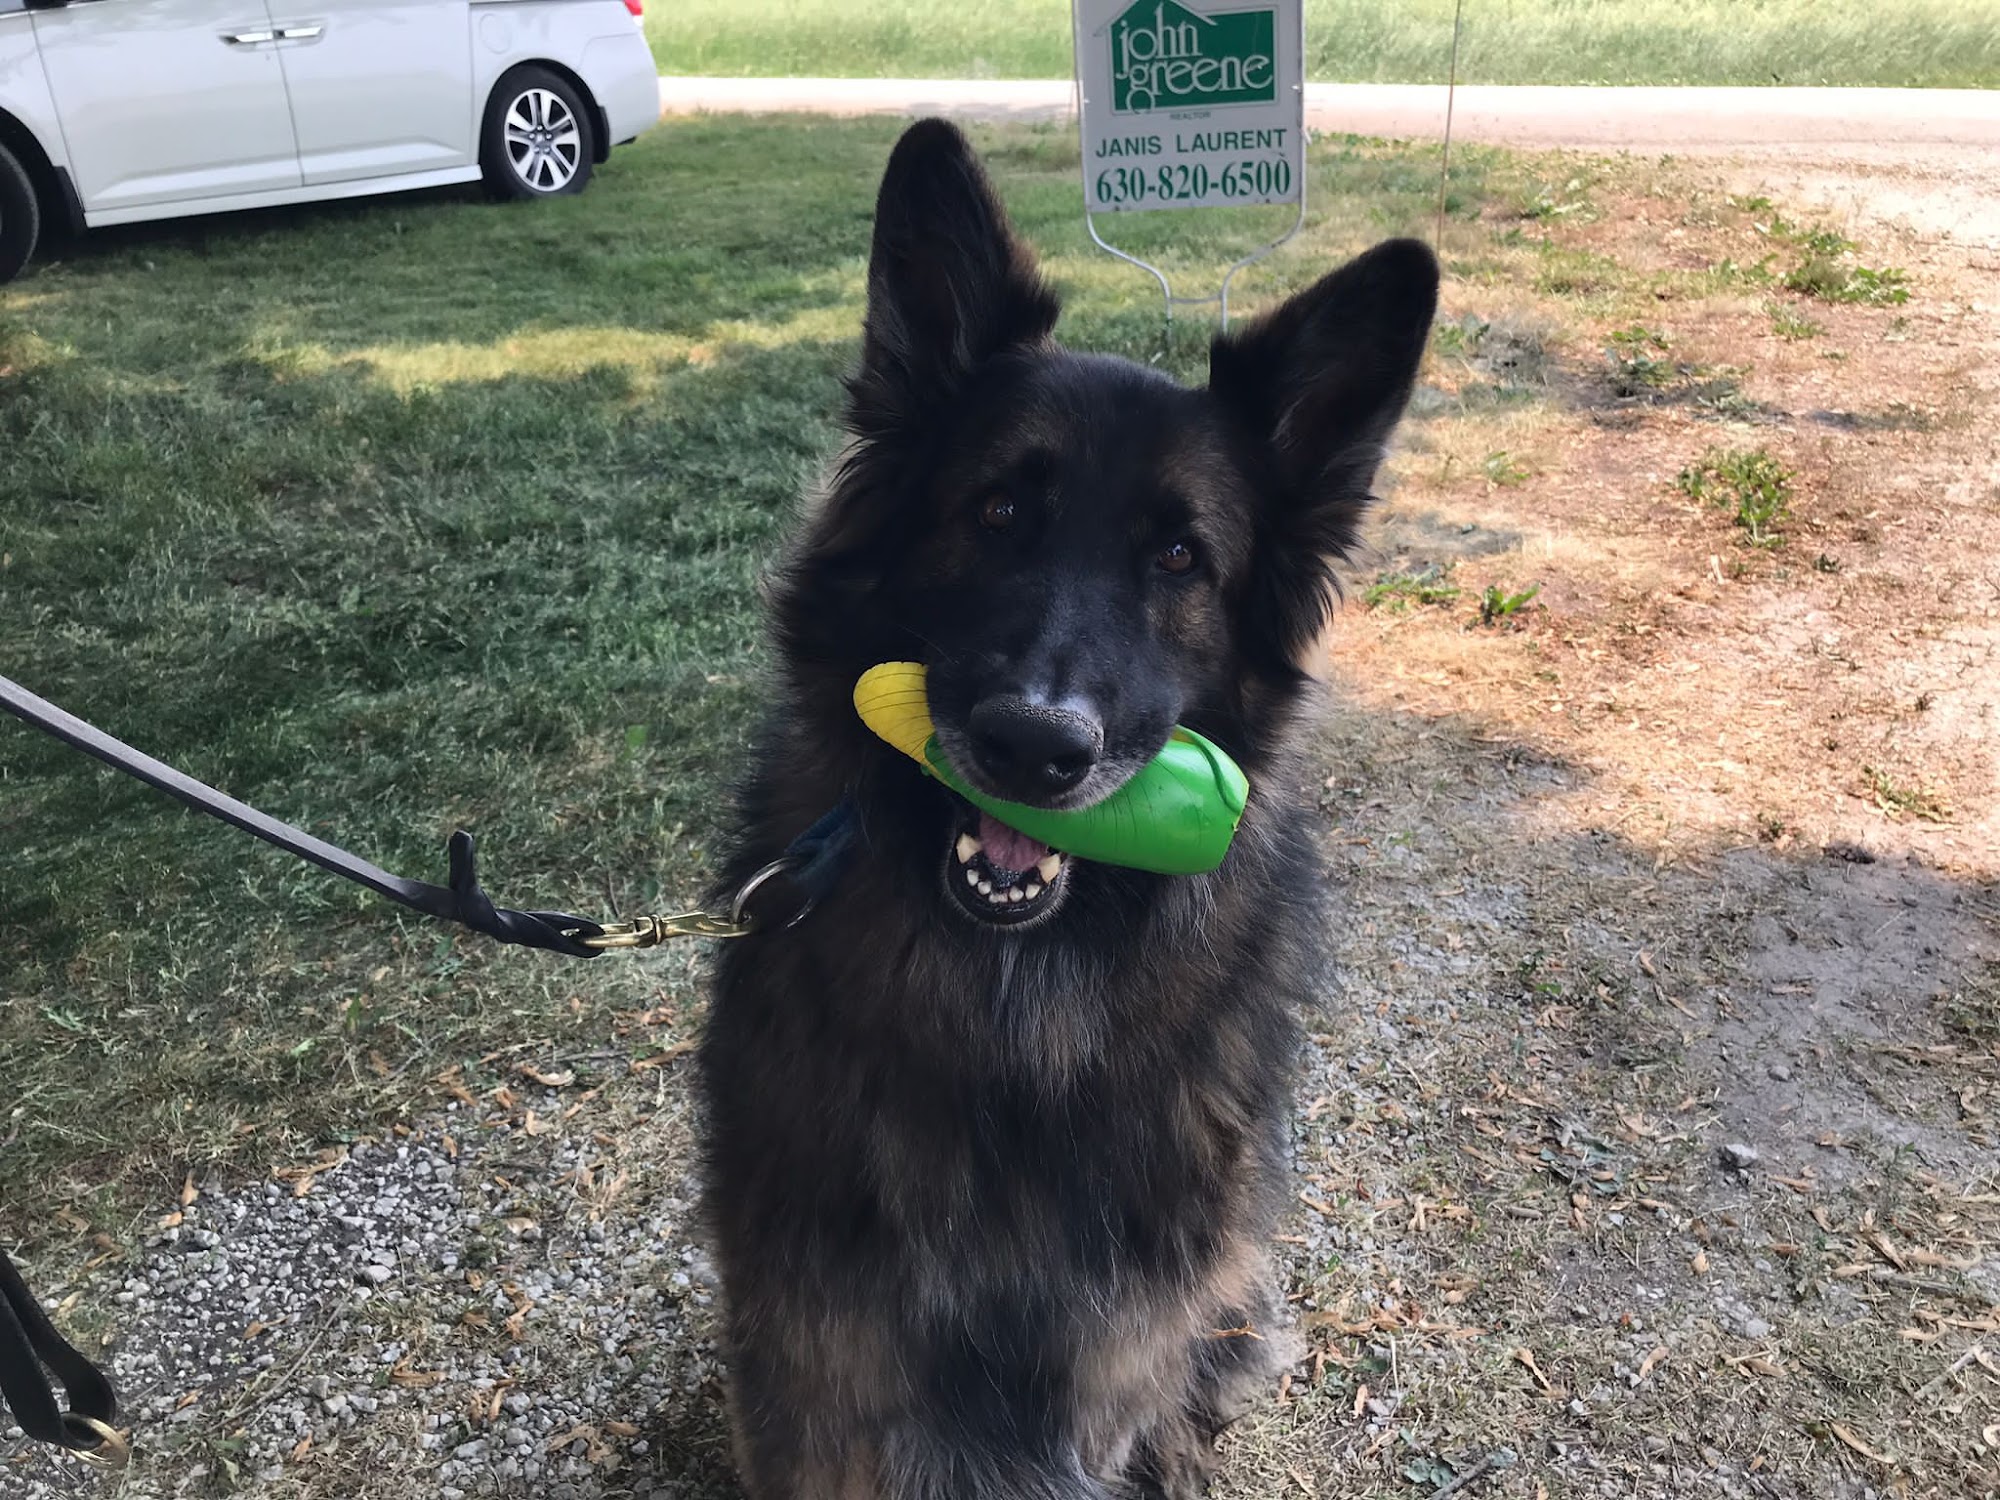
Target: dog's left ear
(1319, 383)
(948, 284)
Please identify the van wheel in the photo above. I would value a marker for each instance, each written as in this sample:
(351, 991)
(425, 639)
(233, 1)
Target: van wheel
(538, 139)
(20, 216)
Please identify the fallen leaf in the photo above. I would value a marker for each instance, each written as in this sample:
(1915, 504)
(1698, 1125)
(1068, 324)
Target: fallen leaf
(189, 1192)
(1847, 1437)
(1653, 1361)
(1888, 1250)
(1527, 1360)
(558, 1080)
(664, 1056)
(403, 1373)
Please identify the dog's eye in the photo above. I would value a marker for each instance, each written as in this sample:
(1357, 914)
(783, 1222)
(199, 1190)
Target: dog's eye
(997, 513)
(1179, 558)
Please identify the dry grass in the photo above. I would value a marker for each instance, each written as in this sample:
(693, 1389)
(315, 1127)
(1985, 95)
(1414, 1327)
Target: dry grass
(1601, 914)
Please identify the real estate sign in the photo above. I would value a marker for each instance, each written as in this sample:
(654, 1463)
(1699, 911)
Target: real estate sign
(1190, 103)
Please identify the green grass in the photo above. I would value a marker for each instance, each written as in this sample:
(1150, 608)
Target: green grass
(401, 516)
(1927, 43)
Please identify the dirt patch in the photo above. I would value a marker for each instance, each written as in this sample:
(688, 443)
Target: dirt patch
(1835, 1046)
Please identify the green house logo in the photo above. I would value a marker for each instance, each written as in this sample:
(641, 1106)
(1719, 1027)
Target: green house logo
(1164, 56)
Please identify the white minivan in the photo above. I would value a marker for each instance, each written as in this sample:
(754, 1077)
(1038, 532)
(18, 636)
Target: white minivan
(117, 110)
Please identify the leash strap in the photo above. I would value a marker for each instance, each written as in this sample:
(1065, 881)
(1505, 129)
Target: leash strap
(30, 1351)
(460, 901)
(30, 1348)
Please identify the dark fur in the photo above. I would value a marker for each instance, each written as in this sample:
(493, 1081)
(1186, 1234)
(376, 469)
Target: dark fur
(982, 1199)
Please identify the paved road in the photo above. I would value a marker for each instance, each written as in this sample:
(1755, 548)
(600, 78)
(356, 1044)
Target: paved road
(1648, 119)
(1928, 159)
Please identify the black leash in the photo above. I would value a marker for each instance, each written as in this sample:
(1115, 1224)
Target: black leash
(461, 901)
(30, 1351)
(30, 1348)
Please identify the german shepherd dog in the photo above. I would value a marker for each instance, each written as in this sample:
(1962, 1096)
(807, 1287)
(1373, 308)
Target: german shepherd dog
(996, 1137)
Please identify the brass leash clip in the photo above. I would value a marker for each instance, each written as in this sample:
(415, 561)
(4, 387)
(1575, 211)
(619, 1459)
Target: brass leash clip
(650, 932)
(110, 1451)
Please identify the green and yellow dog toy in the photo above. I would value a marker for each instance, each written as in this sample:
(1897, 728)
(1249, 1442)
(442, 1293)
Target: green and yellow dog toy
(1176, 817)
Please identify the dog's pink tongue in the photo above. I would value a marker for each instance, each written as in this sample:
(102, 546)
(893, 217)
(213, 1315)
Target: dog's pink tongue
(1007, 850)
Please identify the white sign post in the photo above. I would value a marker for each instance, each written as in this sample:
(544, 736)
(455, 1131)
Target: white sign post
(1191, 104)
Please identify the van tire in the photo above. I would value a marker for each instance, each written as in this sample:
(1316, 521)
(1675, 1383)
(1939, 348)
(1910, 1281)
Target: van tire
(539, 138)
(20, 216)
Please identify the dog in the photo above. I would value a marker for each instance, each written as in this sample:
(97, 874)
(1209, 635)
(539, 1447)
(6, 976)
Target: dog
(990, 1181)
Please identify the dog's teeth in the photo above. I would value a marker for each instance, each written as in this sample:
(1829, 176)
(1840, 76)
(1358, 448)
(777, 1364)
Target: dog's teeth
(1033, 891)
(1016, 894)
(967, 847)
(985, 887)
(972, 877)
(1048, 869)
(998, 898)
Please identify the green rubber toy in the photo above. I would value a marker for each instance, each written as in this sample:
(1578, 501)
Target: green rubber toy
(1176, 817)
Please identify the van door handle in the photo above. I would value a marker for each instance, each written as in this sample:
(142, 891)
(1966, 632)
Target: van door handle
(248, 38)
(299, 33)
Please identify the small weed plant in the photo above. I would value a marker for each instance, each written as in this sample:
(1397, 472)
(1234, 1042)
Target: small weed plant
(1637, 363)
(1897, 800)
(1397, 592)
(1755, 487)
(1793, 326)
(1462, 338)
(1496, 605)
(1831, 278)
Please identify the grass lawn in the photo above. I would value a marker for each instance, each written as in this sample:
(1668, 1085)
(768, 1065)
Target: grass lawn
(445, 515)
(394, 517)
(1922, 44)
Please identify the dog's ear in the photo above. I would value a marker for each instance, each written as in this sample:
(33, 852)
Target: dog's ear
(1318, 384)
(948, 284)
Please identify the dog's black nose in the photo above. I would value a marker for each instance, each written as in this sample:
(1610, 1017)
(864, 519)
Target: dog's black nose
(1031, 751)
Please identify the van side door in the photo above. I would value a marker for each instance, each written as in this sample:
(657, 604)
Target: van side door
(166, 101)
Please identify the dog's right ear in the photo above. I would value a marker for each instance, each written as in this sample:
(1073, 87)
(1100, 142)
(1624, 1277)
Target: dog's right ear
(948, 284)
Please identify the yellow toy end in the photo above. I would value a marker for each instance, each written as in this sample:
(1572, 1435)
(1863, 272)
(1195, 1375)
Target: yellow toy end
(893, 703)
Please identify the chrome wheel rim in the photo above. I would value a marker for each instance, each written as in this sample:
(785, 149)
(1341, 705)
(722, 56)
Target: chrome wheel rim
(543, 141)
